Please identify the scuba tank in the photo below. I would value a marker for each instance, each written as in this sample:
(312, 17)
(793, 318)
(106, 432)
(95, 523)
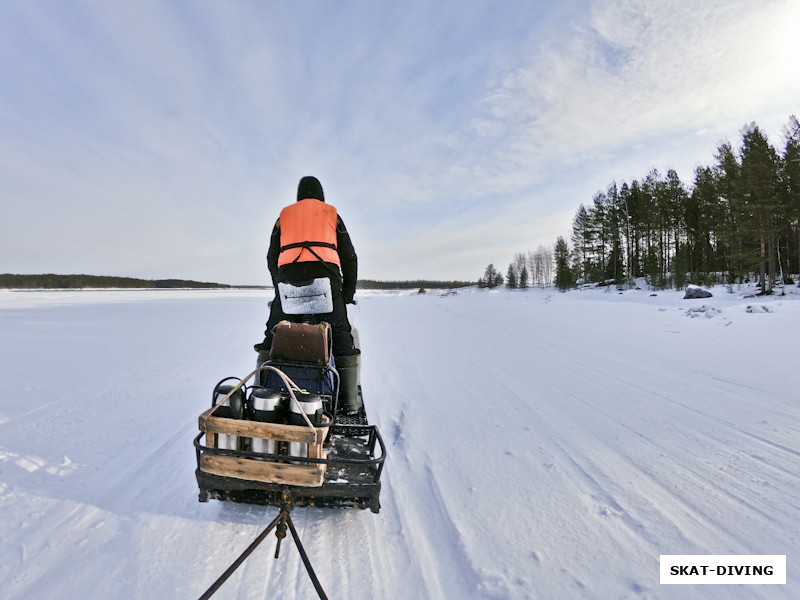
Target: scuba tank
(232, 408)
(311, 405)
(266, 406)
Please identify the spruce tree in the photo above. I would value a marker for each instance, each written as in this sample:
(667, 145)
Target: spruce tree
(523, 277)
(511, 278)
(636, 239)
(760, 191)
(564, 276)
(491, 278)
(790, 194)
(582, 234)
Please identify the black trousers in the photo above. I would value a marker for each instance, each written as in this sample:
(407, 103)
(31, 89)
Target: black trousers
(343, 344)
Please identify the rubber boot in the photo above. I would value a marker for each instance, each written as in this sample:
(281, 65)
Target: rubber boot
(349, 400)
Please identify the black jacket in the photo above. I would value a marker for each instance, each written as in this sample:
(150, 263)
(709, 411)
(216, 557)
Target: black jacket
(303, 271)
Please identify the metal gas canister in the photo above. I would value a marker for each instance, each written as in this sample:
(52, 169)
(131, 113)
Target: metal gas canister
(266, 406)
(311, 405)
(232, 408)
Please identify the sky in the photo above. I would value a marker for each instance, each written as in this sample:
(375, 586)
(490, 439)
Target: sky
(160, 139)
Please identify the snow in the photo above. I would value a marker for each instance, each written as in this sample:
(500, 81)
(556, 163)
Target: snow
(540, 445)
(314, 298)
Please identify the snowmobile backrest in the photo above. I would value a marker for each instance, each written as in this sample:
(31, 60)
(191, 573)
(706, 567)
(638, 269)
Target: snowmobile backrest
(312, 378)
(301, 342)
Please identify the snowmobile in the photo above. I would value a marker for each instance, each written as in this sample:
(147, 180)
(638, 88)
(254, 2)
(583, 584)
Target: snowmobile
(279, 437)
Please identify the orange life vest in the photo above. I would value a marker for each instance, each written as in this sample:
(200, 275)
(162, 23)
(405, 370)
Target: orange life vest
(308, 233)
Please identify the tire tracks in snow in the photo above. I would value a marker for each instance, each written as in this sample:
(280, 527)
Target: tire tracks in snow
(429, 550)
(659, 495)
(432, 539)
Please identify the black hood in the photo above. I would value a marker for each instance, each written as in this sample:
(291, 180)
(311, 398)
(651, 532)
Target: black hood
(310, 187)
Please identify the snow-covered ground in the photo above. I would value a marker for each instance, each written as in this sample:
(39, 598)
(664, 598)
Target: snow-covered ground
(540, 445)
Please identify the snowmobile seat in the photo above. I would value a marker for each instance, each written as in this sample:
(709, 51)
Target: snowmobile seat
(303, 351)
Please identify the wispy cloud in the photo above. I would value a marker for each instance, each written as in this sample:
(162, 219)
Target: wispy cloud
(634, 70)
(161, 138)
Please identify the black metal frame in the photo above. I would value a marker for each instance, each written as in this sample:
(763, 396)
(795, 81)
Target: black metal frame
(350, 480)
(363, 493)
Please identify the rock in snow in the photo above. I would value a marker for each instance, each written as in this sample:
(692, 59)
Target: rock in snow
(694, 292)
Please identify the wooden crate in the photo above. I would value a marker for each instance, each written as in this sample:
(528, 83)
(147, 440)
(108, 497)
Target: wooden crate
(239, 467)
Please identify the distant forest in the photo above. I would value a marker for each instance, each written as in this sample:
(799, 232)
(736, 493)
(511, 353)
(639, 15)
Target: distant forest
(52, 281)
(371, 284)
(738, 220)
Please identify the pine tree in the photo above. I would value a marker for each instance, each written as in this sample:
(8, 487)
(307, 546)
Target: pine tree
(760, 189)
(498, 279)
(511, 278)
(636, 236)
(740, 216)
(564, 276)
(790, 193)
(615, 268)
(624, 201)
(727, 175)
(675, 204)
(491, 278)
(523, 277)
(600, 236)
(582, 234)
(702, 225)
(652, 215)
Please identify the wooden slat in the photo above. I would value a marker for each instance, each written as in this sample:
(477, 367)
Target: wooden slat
(256, 429)
(315, 451)
(254, 470)
(274, 431)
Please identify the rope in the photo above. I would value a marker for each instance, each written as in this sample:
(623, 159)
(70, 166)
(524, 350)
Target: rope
(289, 385)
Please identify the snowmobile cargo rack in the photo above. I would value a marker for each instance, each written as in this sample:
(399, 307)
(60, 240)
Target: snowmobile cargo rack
(339, 467)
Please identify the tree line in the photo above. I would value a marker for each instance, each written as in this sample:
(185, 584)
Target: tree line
(738, 219)
(372, 284)
(531, 269)
(53, 281)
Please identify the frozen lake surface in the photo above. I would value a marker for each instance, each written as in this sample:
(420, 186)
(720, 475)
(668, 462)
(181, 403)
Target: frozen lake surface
(540, 445)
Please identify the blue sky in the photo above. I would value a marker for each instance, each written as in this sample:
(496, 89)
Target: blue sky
(161, 139)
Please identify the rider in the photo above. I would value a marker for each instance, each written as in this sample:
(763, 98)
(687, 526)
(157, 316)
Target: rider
(310, 249)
